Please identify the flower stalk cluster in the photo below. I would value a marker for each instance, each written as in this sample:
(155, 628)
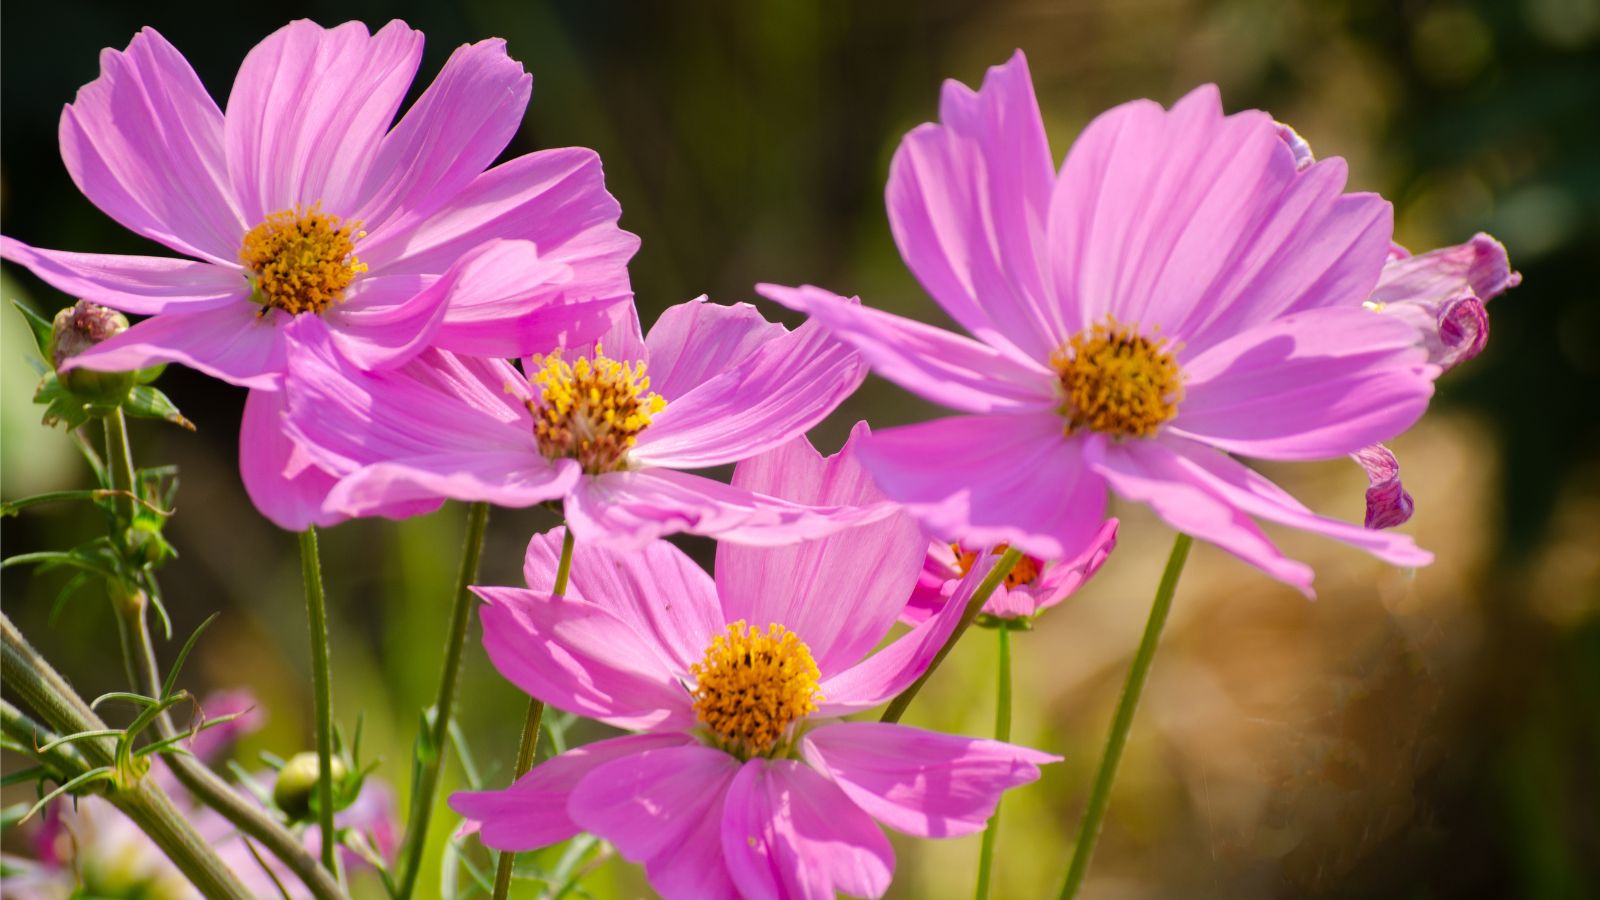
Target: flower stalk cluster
(415, 324)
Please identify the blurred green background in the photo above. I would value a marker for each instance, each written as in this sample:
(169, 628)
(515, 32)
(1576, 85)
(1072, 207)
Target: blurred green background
(1435, 735)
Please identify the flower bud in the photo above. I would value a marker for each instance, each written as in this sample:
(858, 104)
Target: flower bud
(75, 330)
(297, 783)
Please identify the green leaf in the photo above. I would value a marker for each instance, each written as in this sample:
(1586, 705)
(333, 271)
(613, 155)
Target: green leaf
(172, 676)
(80, 736)
(146, 402)
(28, 774)
(149, 374)
(39, 325)
(123, 696)
(103, 773)
(61, 406)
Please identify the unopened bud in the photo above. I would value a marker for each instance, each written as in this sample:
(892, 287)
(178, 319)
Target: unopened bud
(297, 783)
(75, 330)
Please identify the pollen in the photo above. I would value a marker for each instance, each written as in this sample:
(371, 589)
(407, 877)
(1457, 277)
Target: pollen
(1116, 381)
(752, 686)
(1023, 574)
(591, 410)
(301, 260)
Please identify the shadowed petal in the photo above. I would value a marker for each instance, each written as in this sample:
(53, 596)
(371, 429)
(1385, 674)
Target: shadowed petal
(1388, 503)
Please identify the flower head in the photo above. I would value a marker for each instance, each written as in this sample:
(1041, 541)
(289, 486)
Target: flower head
(742, 780)
(1182, 290)
(1032, 586)
(608, 428)
(303, 212)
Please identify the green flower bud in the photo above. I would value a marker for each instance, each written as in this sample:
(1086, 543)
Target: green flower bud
(75, 330)
(297, 783)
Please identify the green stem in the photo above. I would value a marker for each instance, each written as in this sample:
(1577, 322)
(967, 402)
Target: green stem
(38, 685)
(529, 743)
(205, 785)
(120, 462)
(439, 735)
(897, 707)
(1002, 732)
(1100, 794)
(322, 686)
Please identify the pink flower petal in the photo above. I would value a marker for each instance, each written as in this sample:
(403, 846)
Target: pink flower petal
(968, 201)
(555, 198)
(693, 342)
(789, 833)
(663, 808)
(921, 782)
(233, 343)
(308, 109)
(1011, 479)
(944, 368)
(513, 480)
(1312, 385)
(386, 319)
(144, 143)
(1198, 223)
(658, 591)
(776, 393)
(286, 486)
(1388, 503)
(891, 670)
(532, 813)
(447, 138)
(579, 657)
(1479, 265)
(1147, 472)
(506, 300)
(627, 510)
(145, 285)
(841, 594)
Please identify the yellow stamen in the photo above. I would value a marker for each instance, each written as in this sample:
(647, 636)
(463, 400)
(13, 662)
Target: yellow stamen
(301, 260)
(591, 410)
(752, 686)
(1117, 381)
(1025, 572)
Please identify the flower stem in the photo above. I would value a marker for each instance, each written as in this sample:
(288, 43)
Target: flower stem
(119, 461)
(37, 684)
(897, 707)
(1100, 794)
(529, 743)
(322, 688)
(438, 739)
(1002, 732)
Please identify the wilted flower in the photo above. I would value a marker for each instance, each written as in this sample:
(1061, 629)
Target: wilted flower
(608, 428)
(304, 211)
(1179, 292)
(742, 781)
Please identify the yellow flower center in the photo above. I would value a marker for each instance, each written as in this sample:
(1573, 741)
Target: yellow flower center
(1025, 572)
(591, 410)
(752, 686)
(1117, 381)
(301, 260)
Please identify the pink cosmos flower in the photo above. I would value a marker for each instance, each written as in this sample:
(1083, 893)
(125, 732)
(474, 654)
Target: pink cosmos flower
(741, 780)
(609, 428)
(301, 209)
(1177, 293)
(1031, 587)
(1443, 293)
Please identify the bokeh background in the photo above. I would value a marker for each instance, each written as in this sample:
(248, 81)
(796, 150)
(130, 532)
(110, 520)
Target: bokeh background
(1427, 734)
